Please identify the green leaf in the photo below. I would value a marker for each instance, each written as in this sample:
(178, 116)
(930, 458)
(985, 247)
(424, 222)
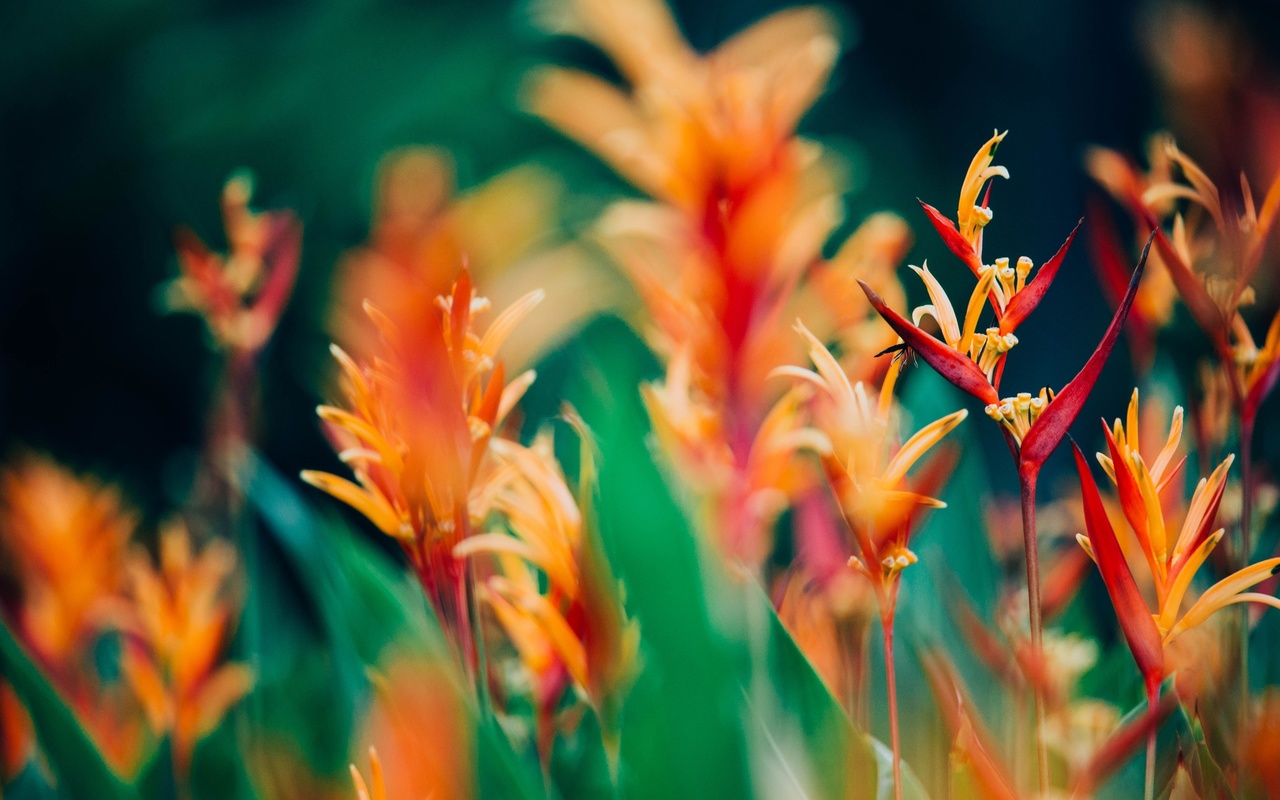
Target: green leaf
(75, 761)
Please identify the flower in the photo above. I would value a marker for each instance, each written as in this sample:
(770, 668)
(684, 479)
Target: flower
(730, 246)
(974, 361)
(865, 463)
(418, 429)
(241, 295)
(1171, 559)
(68, 536)
(569, 626)
(1212, 250)
(176, 624)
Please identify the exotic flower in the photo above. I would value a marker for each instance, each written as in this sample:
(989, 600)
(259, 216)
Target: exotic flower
(570, 627)
(732, 247)
(363, 792)
(418, 429)
(240, 295)
(68, 537)
(1172, 560)
(864, 462)
(176, 625)
(866, 465)
(974, 361)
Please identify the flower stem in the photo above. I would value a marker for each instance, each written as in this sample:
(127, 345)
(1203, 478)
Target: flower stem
(891, 680)
(1150, 785)
(1027, 481)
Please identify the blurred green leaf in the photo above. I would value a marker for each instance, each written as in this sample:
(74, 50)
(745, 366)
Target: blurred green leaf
(75, 761)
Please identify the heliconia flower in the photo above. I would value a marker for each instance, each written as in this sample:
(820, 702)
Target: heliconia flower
(730, 247)
(240, 295)
(569, 626)
(177, 623)
(1211, 255)
(865, 462)
(68, 537)
(1172, 558)
(418, 427)
(1036, 424)
(418, 731)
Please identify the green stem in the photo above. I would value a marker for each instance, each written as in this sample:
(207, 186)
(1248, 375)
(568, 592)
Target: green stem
(1027, 482)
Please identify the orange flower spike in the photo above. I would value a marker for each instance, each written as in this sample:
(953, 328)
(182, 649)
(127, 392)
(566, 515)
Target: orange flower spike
(177, 624)
(971, 218)
(854, 438)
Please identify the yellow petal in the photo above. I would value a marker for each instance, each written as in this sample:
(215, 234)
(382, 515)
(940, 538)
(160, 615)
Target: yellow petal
(1222, 593)
(1178, 590)
(919, 444)
(507, 321)
(942, 309)
(376, 508)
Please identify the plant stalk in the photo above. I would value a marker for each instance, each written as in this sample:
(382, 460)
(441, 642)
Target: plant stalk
(1150, 784)
(1027, 482)
(891, 681)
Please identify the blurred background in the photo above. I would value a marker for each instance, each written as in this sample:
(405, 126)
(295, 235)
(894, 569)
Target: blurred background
(121, 120)
(118, 121)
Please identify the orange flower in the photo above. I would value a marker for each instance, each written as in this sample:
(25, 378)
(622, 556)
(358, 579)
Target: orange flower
(68, 537)
(866, 463)
(1172, 555)
(570, 626)
(418, 429)
(177, 624)
(732, 247)
(419, 732)
(241, 295)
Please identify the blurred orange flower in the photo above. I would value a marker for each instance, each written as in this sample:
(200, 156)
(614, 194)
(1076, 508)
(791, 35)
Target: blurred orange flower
(572, 626)
(177, 624)
(732, 246)
(67, 536)
(418, 432)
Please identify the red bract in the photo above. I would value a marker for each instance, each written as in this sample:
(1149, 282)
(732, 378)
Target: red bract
(1025, 301)
(1047, 432)
(951, 237)
(950, 364)
(1135, 618)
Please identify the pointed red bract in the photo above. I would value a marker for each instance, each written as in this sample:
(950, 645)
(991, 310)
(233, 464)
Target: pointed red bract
(1194, 295)
(951, 237)
(957, 369)
(1025, 301)
(1135, 618)
(282, 255)
(1112, 264)
(1261, 389)
(1047, 432)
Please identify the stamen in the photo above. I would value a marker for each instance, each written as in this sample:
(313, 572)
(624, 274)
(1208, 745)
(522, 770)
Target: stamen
(1023, 269)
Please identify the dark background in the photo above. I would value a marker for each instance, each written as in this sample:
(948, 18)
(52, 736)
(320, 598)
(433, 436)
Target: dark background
(120, 120)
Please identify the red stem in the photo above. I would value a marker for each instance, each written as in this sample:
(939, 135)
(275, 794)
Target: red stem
(886, 626)
(1153, 696)
(1027, 482)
